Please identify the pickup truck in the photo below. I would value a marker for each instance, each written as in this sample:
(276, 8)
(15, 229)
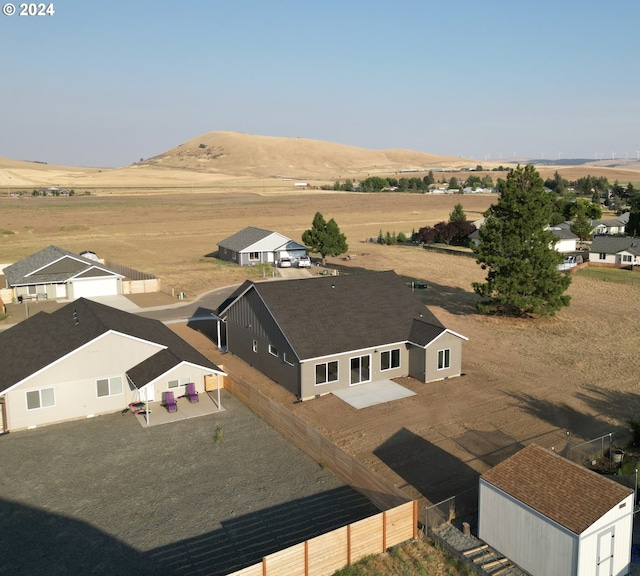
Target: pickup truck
(304, 262)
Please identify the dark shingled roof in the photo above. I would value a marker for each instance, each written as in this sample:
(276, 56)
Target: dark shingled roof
(243, 239)
(333, 314)
(44, 338)
(615, 244)
(563, 491)
(21, 273)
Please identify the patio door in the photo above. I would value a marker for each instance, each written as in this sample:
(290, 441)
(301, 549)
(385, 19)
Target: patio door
(360, 370)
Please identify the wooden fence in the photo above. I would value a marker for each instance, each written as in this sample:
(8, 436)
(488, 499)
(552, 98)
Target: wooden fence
(324, 554)
(379, 491)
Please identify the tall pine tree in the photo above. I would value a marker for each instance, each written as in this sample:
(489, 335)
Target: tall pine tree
(325, 238)
(517, 250)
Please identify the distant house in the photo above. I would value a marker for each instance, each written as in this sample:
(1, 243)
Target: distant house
(551, 516)
(87, 359)
(253, 246)
(567, 240)
(617, 250)
(609, 227)
(54, 273)
(317, 335)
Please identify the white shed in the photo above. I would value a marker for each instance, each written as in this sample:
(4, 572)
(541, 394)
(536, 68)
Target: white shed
(551, 516)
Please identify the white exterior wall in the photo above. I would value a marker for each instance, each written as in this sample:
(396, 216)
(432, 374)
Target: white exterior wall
(183, 371)
(566, 245)
(268, 244)
(532, 541)
(595, 258)
(621, 521)
(74, 379)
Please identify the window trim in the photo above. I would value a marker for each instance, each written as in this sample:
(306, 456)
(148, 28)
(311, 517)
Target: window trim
(180, 382)
(40, 404)
(445, 362)
(254, 346)
(254, 256)
(288, 359)
(109, 380)
(327, 373)
(390, 353)
(370, 367)
(602, 256)
(271, 350)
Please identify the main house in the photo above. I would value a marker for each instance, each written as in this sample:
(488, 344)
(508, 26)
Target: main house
(552, 516)
(615, 250)
(317, 335)
(54, 273)
(256, 246)
(87, 359)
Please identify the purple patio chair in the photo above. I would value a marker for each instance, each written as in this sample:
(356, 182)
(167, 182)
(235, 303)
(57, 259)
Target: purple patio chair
(170, 402)
(192, 393)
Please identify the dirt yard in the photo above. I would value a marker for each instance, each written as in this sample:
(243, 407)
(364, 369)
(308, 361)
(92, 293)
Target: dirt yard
(553, 381)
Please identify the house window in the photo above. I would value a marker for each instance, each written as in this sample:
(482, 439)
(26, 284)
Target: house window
(254, 255)
(390, 359)
(254, 346)
(289, 359)
(626, 258)
(33, 290)
(360, 369)
(444, 359)
(109, 386)
(273, 350)
(178, 383)
(327, 372)
(42, 398)
(602, 256)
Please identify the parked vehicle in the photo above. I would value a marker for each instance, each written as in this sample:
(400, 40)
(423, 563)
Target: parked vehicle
(284, 263)
(304, 262)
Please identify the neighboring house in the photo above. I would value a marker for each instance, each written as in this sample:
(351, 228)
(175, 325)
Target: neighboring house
(609, 227)
(618, 250)
(317, 335)
(551, 516)
(54, 273)
(86, 359)
(567, 240)
(256, 246)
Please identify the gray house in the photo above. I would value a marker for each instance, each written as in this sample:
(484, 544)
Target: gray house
(317, 335)
(87, 359)
(617, 250)
(54, 273)
(253, 246)
(551, 516)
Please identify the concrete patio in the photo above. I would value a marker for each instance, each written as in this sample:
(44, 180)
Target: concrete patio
(207, 404)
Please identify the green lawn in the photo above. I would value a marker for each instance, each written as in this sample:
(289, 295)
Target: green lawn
(618, 275)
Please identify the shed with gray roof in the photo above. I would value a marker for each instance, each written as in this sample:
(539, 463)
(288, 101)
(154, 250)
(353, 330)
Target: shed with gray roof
(552, 516)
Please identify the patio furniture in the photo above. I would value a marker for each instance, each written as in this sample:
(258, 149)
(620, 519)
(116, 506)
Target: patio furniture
(170, 402)
(192, 393)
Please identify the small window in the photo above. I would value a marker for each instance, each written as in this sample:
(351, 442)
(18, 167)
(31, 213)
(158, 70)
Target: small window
(326, 372)
(444, 359)
(33, 290)
(626, 258)
(109, 386)
(273, 350)
(602, 256)
(254, 346)
(178, 383)
(390, 359)
(289, 359)
(254, 255)
(40, 398)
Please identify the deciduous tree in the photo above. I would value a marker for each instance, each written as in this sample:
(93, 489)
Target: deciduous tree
(517, 250)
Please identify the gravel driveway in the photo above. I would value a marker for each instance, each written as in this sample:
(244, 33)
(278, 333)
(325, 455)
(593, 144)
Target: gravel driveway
(106, 496)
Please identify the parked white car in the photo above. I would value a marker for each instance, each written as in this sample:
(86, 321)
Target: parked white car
(284, 263)
(304, 262)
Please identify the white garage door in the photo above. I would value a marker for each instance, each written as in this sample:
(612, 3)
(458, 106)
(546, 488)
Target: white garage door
(95, 287)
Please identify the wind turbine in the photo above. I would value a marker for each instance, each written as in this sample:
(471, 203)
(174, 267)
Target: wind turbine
(559, 155)
(613, 155)
(638, 153)
(541, 155)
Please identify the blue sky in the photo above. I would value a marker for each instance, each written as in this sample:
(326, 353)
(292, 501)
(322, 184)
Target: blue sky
(108, 83)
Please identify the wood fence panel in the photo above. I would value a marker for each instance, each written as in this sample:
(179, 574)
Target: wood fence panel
(366, 537)
(400, 524)
(327, 553)
(287, 562)
(255, 570)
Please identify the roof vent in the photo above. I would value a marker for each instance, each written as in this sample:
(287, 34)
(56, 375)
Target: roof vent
(75, 317)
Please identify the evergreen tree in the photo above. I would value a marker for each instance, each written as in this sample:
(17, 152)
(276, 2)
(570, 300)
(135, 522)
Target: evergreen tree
(518, 251)
(581, 226)
(458, 214)
(324, 238)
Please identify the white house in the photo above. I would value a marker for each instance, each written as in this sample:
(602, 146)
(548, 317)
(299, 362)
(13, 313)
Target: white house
(253, 246)
(553, 517)
(617, 250)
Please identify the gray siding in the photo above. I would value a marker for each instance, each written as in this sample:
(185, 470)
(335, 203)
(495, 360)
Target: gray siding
(511, 527)
(247, 321)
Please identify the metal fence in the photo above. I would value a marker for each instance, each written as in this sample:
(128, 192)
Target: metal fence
(453, 509)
